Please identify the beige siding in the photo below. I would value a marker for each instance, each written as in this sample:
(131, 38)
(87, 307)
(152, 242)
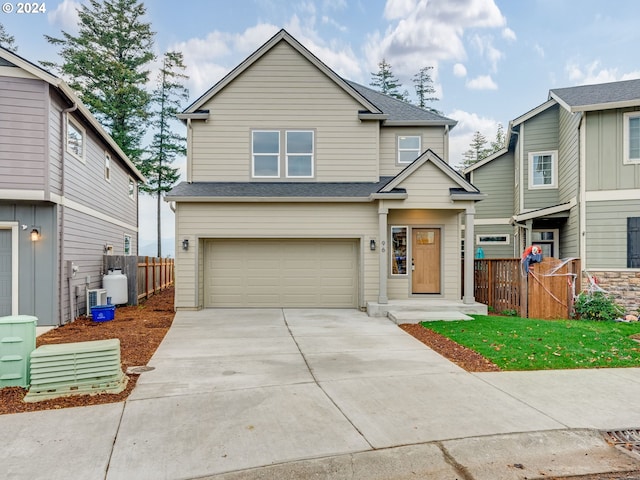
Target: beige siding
(495, 179)
(23, 126)
(296, 96)
(540, 134)
(604, 153)
(428, 188)
(431, 138)
(275, 220)
(447, 221)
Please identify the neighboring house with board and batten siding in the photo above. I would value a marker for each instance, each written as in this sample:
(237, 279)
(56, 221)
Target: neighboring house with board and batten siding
(569, 180)
(68, 195)
(306, 190)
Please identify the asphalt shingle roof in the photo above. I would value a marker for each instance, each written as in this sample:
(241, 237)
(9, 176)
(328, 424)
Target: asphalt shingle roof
(398, 110)
(614, 92)
(278, 189)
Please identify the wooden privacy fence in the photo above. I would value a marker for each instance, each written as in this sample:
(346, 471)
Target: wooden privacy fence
(547, 292)
(154, 275)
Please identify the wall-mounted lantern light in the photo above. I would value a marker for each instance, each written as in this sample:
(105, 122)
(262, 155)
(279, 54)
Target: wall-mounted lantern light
(372, 244)
(35, 234)
(185, 244)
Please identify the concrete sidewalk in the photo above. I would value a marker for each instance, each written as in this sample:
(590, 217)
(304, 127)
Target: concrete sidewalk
(326, 394)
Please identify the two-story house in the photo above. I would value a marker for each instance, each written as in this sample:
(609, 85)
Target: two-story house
(304, 189)
(569, 181)
(68, 195)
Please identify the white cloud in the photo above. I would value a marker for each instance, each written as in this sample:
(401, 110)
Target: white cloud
(330, 21)
(482, 82)
(426, 32)
(468, 124)
(539, 50)
(459, 70)
(594, 73)
(484, 46)
(65, 15)
(509, 34)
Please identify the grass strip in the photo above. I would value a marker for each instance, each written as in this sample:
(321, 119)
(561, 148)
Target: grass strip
(515, 343)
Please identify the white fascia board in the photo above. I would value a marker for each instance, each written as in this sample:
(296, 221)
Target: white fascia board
(532, 113)
(543, 212)
(612, 195)
(268, 199)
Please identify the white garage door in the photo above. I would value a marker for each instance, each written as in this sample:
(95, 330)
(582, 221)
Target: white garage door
(281, 273)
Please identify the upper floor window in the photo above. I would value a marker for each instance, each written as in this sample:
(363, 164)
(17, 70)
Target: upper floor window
(543, 169)
(631, 137)
(127, 244)
(107, 167)
(408, 148)
(132, 188)
(75, 139)
(267, 160)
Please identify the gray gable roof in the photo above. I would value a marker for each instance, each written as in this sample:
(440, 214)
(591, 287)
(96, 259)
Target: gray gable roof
(597, 97)
(399, 111)
(185, 190)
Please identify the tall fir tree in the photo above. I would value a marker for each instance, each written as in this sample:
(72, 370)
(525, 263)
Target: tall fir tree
(167, 99)
(498, 142)
(107, 63)
(477, 150)
(386, 82)
(7, 41)
(423, 84)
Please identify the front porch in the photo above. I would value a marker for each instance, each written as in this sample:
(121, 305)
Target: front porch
(415, 310)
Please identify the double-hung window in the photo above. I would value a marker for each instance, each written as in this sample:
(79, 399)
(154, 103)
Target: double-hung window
(631, 137)
(299, 153)
(75, 139)
(408, 148)
(265, 145)
(543, 169)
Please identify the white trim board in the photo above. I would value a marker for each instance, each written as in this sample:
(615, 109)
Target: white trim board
(612, 195)
(15, 270)
(91, 212)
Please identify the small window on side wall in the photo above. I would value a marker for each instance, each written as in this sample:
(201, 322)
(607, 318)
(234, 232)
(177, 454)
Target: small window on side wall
(493, 239)
(127, 244)
(132, 189)
(543, 169)
(399, 250)
(408, 148)
(631, 137)
(107, 167)
(75, 139)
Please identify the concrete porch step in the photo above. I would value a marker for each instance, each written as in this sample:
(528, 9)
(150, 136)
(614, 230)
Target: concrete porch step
(417, 316)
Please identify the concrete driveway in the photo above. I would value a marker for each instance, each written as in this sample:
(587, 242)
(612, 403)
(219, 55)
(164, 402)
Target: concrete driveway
(235, 389)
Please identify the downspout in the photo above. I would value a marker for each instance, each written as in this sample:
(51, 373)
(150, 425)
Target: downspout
(63, 130)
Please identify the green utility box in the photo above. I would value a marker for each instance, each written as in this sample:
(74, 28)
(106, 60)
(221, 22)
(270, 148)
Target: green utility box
(17, 341)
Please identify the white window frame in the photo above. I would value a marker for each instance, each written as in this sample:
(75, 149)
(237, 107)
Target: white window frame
(554, 170)
(392, 251)
(555, 243)
(253, 155)
(626, 138)
(107, 167)
(127, 251)
(398, 150)
(486, 239)
(312, 154)
(132, 189)
(83, 134)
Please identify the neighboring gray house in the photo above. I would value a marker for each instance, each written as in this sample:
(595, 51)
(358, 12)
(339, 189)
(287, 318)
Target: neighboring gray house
(304, 189)
(569, 180)
(68, 195)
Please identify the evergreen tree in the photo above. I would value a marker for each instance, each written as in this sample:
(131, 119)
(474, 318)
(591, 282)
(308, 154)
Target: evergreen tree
(386, 82)
(107, 63)
(424, 89)
(498, 143)
(7, 41)
(166, 145)
(477, 151)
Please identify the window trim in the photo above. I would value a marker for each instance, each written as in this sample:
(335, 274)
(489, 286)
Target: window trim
(398, 149)
(482, 239)
(132, 189)
(107, 167)
(124, 244)
(554, 170)
(312, 154)
(83, 134)
(392, 251)
(253, 155)
(627, 116)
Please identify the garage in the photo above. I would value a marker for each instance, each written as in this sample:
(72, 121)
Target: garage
(281, 273)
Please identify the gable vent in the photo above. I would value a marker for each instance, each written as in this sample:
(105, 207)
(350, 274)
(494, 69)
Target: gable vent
(76, 368)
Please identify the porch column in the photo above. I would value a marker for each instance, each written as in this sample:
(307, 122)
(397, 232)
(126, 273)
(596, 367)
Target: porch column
(383, 253)
(469, 254)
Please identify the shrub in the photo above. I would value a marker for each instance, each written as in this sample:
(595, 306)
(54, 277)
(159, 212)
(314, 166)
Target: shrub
(509, 313)
(597, 306)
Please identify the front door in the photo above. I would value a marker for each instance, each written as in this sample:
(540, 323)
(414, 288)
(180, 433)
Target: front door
(425, 256)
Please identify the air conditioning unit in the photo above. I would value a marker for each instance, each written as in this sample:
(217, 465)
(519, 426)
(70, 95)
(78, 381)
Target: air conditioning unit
(96, 296)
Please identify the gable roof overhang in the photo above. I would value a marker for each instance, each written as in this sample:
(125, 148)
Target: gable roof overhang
(601, 96)
(463, 189)
(73, 99)
(555, 211)
(484, 161)
(281, 36)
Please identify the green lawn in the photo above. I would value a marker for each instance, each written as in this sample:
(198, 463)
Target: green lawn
(515, 343)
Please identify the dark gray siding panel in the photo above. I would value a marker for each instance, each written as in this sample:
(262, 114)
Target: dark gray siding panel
(23, 118)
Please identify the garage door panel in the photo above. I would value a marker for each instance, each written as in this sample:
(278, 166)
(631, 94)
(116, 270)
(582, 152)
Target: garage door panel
(281, 273)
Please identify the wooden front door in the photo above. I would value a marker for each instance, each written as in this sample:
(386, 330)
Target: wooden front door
(425, 271)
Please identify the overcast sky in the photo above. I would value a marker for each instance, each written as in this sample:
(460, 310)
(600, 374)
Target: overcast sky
(493, 60)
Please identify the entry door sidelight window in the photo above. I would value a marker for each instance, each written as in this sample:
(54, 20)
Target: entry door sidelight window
(399, 250)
